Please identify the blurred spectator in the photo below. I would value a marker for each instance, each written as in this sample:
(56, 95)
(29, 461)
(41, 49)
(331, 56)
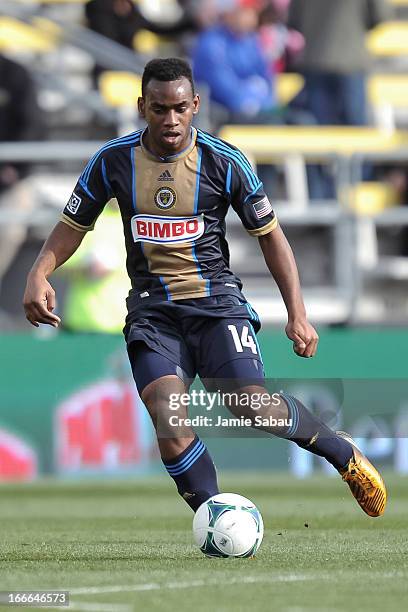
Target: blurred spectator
(121, 20)
(97, 275)
(228, 58)
(280, 44)
(20, 119)
(202, 13)
(118, 20)
(335, 58)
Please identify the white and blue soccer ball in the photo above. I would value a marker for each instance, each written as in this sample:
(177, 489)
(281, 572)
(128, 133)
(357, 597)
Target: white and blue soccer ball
(228, 525)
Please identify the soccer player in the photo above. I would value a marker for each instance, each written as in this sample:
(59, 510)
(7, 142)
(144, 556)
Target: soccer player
(186, 313)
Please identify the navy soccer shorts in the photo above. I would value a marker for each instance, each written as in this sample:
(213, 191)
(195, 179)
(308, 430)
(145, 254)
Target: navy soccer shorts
(214, 337)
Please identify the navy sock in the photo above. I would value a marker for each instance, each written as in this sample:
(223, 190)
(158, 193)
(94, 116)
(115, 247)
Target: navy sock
(194, 473)
(308, 432)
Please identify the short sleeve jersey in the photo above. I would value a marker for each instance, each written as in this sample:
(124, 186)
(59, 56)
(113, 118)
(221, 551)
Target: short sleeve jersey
(173, 211)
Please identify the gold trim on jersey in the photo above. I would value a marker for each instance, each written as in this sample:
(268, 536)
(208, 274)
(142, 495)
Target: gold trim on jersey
(261, 231)
(175, 264)
(75, 225)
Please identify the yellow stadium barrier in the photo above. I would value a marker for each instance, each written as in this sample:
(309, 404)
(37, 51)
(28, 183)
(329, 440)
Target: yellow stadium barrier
(389, 39)
(267, 143)
(288, 85)
(146, 42)
(389, 89)
(371, 198)
(294, 146)
(16, 36)
(54, 1)
(120, 88)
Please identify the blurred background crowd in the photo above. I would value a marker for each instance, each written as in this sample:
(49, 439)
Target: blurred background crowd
(314, 91)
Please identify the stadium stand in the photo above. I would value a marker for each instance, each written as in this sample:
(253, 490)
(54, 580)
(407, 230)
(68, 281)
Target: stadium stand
(288, 85)
(389, 39)
(388, 95)
(348, 248)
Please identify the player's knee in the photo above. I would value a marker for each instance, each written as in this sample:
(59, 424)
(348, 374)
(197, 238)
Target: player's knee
(157, 396)
(169, 417)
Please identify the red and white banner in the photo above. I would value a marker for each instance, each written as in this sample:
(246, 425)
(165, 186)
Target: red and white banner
(100, 429)
(18, 461)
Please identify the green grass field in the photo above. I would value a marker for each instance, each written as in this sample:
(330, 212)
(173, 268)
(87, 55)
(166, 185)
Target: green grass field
(127, 546)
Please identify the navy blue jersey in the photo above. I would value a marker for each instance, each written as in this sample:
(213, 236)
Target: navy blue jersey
(173, 211)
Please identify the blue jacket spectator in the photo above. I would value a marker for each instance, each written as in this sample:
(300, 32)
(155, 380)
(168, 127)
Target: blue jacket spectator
(229, 59)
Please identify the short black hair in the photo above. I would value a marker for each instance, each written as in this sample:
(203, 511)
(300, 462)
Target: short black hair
(169, 69)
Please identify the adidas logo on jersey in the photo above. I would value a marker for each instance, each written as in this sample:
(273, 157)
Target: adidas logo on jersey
(165, 176)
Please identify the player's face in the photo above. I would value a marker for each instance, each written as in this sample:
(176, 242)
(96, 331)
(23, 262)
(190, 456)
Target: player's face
(168, 108)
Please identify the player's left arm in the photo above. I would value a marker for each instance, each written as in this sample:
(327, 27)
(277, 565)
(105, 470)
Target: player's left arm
(246, 195)
(281, 262)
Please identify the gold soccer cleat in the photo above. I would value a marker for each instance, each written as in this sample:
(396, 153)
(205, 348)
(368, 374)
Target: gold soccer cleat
(364, 481)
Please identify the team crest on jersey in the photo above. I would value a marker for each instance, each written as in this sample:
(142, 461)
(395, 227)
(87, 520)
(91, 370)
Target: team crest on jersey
(73, 204)
(165, 198)
(165, 230)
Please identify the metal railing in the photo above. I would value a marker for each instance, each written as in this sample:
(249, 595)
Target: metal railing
(349, 271)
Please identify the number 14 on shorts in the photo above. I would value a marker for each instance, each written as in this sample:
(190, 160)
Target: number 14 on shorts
(245, 341)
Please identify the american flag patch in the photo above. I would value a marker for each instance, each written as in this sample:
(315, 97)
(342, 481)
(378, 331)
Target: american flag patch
(262, 208)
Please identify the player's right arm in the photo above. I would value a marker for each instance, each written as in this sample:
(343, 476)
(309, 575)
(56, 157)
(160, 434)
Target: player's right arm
(39, 296)
(91, 193)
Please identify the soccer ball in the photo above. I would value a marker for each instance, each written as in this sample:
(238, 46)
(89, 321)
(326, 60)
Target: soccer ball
(228, 525)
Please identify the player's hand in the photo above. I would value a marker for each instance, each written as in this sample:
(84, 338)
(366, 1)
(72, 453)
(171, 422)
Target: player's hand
(39, 302)
(304, 337)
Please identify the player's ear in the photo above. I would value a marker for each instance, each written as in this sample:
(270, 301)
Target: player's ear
(141, 106)
(196, 104)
